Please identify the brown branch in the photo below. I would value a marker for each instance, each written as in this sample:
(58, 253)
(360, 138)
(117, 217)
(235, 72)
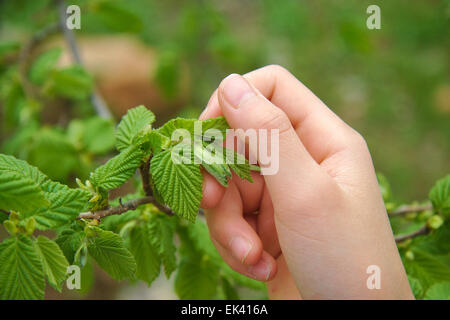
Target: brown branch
(402, 210)
(5, 212)
(422, 231)
(124, 207)
(25, 53)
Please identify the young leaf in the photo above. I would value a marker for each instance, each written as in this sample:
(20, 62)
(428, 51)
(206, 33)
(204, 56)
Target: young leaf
(131, 124)
(21, 273)
(427, 268)
(239, 164)
(145, 253)
(440, 196)
(72, 82)
(65, 205)
(53, 261)
(94, 134)
(20, 185)
(169, 127)
(180, 185)
(438, 291)
(162, 229)
(196, 280)
(117, 170)
(108, 249)
(214, 164)
(70, 241)
(416, 287)
(41, 68)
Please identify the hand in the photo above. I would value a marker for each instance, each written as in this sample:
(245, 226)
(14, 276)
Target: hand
(312, 229)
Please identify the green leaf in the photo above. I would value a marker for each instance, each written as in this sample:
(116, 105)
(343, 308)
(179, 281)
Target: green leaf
(218, 123)
(436, 242)
(3, 217)
(157, 141)
(53, 153)
(72, 83)
(108, 249)
(53, 261)
(20, 185)
(21, 273)
(385, 187)
(180, 185)
(438, 291)
(117, 170)
(426, 268)
(214, 164)
(145, 253)
(440, 196)
(162, 229)
(43, 64)
(416, 287)
(131, 124)
(196, 280)
(65, 205)
(229, 291)
(116, 16)
(95, 134)
(240, 165)
(70, 241)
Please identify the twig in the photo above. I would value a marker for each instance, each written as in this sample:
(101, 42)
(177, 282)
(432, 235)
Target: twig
(423, 230)
(5, 212)
(408, 209)
(26, 51)
(144, 170)
(97, 101)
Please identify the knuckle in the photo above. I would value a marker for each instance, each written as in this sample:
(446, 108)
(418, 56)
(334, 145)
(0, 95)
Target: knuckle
(276, 120)
(358, 140)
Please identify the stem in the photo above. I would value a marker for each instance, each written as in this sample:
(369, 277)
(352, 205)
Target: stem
(422, 231)
(25, 53)
(122, 208)
(5, 212)
(408, 209)
(144, 169)
(96, 100)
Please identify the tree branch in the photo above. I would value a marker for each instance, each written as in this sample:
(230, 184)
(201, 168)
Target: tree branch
(124, 207)
(422, 231)
(402, 210)
(97, 101)
(5, 212)
(144, 170)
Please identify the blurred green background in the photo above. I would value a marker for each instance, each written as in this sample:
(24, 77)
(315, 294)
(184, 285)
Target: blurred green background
(392, 84)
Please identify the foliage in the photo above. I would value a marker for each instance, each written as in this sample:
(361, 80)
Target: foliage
(203, 42)
(134, 246)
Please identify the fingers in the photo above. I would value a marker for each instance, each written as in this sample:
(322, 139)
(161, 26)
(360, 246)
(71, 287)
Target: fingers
(228, 227)
(245, 108)
(321, 131)
(264, 270)
(212, 191)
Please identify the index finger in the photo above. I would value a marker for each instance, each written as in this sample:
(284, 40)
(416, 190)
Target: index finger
(321, 131)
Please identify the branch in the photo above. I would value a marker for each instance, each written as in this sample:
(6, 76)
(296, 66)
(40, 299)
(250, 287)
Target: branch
(97, 101)
(422, 231)
(122, 208)
(5, 212)
(402, 210)
(26, 51)
(144, 170)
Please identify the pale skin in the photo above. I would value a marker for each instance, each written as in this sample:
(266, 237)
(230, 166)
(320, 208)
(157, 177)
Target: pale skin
(312, 229)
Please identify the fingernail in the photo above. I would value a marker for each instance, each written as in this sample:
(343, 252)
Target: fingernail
(240, 248)
(236, 90)
(260, 271)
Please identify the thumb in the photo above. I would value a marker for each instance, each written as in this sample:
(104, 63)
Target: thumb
(246, 108)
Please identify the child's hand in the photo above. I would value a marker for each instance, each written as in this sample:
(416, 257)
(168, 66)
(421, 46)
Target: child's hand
(320, 220)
